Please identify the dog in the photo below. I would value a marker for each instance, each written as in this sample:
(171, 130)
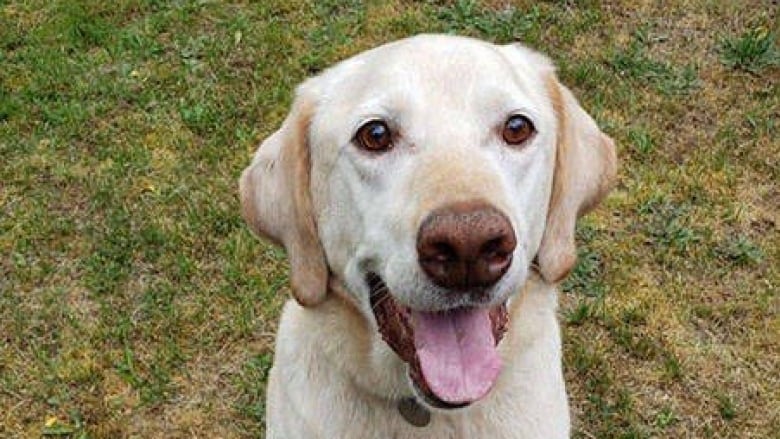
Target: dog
(426, 193)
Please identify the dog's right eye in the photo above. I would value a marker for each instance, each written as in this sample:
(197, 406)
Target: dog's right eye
(374, 136)
(518, 129)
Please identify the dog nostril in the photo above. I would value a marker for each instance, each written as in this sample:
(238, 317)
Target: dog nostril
(497, 251)
(492, 248)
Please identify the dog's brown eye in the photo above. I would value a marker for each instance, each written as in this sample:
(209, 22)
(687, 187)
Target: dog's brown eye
(518, 129)
(374, 136)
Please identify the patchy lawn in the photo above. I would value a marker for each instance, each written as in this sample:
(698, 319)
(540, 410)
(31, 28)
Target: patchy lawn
(134, 302)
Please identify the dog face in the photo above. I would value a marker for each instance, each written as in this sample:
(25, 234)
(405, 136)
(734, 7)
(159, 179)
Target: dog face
(425, 176)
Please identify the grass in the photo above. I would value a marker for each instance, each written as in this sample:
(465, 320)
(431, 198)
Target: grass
(752, 51)
(134, 302)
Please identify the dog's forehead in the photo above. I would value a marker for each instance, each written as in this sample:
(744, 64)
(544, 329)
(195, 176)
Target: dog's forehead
(455, 70)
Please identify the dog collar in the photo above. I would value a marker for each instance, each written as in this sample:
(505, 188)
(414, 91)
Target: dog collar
(413, 412)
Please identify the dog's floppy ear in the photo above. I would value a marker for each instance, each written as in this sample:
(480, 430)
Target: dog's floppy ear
(276, 201)
(585, 167)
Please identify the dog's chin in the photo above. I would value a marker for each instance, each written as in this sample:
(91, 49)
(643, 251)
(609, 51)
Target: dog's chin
(451, 355)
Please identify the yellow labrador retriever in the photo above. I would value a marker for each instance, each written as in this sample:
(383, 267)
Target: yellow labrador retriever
(426, 193)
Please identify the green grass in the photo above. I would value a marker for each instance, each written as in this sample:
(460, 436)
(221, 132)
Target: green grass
(752, 51)
(135, 303)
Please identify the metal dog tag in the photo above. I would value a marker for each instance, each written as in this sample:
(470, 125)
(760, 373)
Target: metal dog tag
(413, 412)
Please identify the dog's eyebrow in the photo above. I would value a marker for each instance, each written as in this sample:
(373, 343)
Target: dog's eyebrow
(501, 98)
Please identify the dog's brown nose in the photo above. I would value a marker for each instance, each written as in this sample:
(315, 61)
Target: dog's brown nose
(465, 245)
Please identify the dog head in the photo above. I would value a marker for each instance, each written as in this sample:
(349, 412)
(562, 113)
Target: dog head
(426, 176)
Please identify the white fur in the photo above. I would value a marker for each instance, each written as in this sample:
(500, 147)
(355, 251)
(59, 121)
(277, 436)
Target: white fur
(447, 99)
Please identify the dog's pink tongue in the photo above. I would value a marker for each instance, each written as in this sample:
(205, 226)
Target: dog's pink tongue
(457, 353)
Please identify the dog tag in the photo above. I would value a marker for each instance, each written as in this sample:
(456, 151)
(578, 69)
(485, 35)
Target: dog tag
(413, 412)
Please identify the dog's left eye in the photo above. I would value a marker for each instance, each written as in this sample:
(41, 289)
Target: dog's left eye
(518, 129)
(374, 136)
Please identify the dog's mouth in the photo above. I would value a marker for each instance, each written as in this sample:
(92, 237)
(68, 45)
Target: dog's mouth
(452, 355)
